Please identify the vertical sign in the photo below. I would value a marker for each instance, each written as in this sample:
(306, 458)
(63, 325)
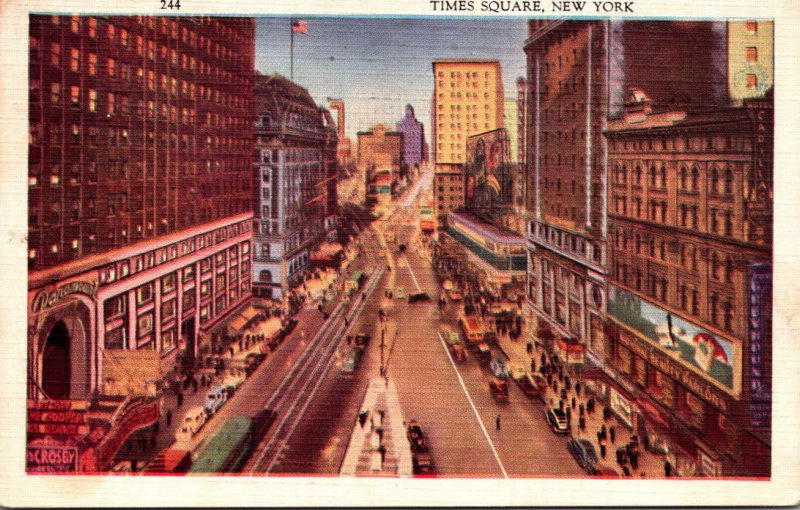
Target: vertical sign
(758, 324)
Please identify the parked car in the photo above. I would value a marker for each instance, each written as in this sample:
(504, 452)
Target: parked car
(531, 386)
(419, 297)
(557, 419)
(349, 362)
(420, 455)
(252, 361)
(606, 472)
(484, 354)
(399, 293)
(459, 353)
(455, 295)
(192, 421)
(498, 389)
(499, 368)
(234, 378)
(215, 399)
(583, 452)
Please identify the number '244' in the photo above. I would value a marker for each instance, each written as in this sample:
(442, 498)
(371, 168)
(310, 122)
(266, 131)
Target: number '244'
(171, 4)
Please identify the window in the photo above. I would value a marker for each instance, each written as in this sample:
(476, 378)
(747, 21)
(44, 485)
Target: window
(168, 283)
(92, 100)
(752, 81)
(728, 181)
(75, 60)
(144, 325)
(168, 310)
(751, 26)
(75, 95)
(752, 54)
(188, 273)
(168, 338)
(188, 300)
(714, 180)
(144, 294)
(695, 179)
(55, 54)
(115, 307)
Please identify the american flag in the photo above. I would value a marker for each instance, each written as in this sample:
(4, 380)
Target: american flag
(299, 26)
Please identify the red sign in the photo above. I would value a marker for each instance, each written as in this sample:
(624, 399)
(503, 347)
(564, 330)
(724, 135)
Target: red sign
(57, 417)
(58, 429)
(52, 459)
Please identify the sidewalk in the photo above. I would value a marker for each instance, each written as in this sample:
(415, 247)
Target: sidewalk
(650, 464)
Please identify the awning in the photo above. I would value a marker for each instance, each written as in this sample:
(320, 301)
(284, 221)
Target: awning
(326, 251)
(243, 318)
(653, 413)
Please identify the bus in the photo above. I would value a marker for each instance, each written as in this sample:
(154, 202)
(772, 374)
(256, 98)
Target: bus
(227, 450)
(354, 282)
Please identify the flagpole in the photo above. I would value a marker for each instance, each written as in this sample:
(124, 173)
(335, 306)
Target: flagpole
(291, 50)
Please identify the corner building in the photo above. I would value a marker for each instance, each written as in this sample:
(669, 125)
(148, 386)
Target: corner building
(690, 229)
(295, 192)
(139, 190)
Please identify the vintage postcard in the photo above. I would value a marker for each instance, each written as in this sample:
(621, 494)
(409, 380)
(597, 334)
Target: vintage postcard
(451, 253)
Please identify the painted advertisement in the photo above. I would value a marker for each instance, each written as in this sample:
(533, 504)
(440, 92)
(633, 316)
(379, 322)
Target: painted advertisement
(708, 354)
(489, 177)
(759, 315)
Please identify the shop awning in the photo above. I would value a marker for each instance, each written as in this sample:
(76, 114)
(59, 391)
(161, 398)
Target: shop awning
(242, 318)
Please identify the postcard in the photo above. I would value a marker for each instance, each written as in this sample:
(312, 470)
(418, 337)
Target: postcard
(430, 253)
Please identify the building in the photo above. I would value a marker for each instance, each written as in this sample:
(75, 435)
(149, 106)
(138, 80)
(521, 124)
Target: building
(296, 184)
(467, 99)
(139, 198)
(690, 224)
(522, 108)
(379, 151)
(413, 138)
(344, 151)
(750, 58)
(510, 118)
(577, 73)
(448, 192)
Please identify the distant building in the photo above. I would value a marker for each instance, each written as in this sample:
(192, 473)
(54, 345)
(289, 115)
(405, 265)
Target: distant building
(295, 173)
(379, 151)
(510, 122)
(448, 192)
(690, 269)
(467, 99)
(413, 138)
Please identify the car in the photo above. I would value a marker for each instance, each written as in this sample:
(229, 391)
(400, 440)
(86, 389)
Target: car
(349, 362)
(498, 388)
(399, 293)
(252, 361)
(419, 297)
(583, 452)
(455, 295)
(499, 368)
(451, 337)
(215, 399)
(447, 285)
(484, 354)
(557, 419)
(606, 472)
(422, 461)
(234, 378)
(193, 420)
(459, 353)
(529, 384)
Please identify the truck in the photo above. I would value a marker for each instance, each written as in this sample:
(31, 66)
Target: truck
(472, 329)
(354, 283)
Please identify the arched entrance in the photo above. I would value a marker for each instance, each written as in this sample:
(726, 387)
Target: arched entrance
(56, 365)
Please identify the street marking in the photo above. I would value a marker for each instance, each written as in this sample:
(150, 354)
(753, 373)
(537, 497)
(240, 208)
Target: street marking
(474, 409)
(416, 283)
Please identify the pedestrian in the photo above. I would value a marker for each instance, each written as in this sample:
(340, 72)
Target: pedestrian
(194, 385)
(346, 321)
(561, 404)
(603, 430)
(574, 402)
(602, 448)
(581, 409)
(563, 393)
(497, 422)
(569, 418)
(590, 405)
(606, 413)
(241, 345)
(230, 349)
(169, 417)
(667, 469)
(626, 471)
(612, 433)
(533, 365)
(542, 359)
(578, 388)
(582, 423)
(180, 398)
(567, 383)
(634, 456)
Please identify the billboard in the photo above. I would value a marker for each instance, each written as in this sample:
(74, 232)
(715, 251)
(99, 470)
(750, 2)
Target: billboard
(711, 356)
(489, 174)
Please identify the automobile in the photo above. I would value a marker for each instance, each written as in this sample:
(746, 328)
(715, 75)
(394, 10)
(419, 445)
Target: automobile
(192, 421)
(606, 472)
(557, 419)
(459, 353)
(215, 399)
(499, 368)
(289, 327)
(455, 295)
(401, 248)
(484, 353)
(447, 285)
(399, 293)
(451, 337)
(349, 362)
(419, 297)
(583, 452)
(517, 369)
(252, 361)
(531, 387)
(498, 389)
(422, 461)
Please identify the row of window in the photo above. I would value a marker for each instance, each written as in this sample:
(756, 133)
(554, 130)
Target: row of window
(719, 180)
(467, 74)
(694, 142)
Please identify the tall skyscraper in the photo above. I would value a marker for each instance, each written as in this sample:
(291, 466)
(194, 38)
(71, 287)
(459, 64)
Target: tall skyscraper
(139, 190)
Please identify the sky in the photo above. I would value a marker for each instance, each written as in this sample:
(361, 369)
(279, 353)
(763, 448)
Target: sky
(378, 65)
